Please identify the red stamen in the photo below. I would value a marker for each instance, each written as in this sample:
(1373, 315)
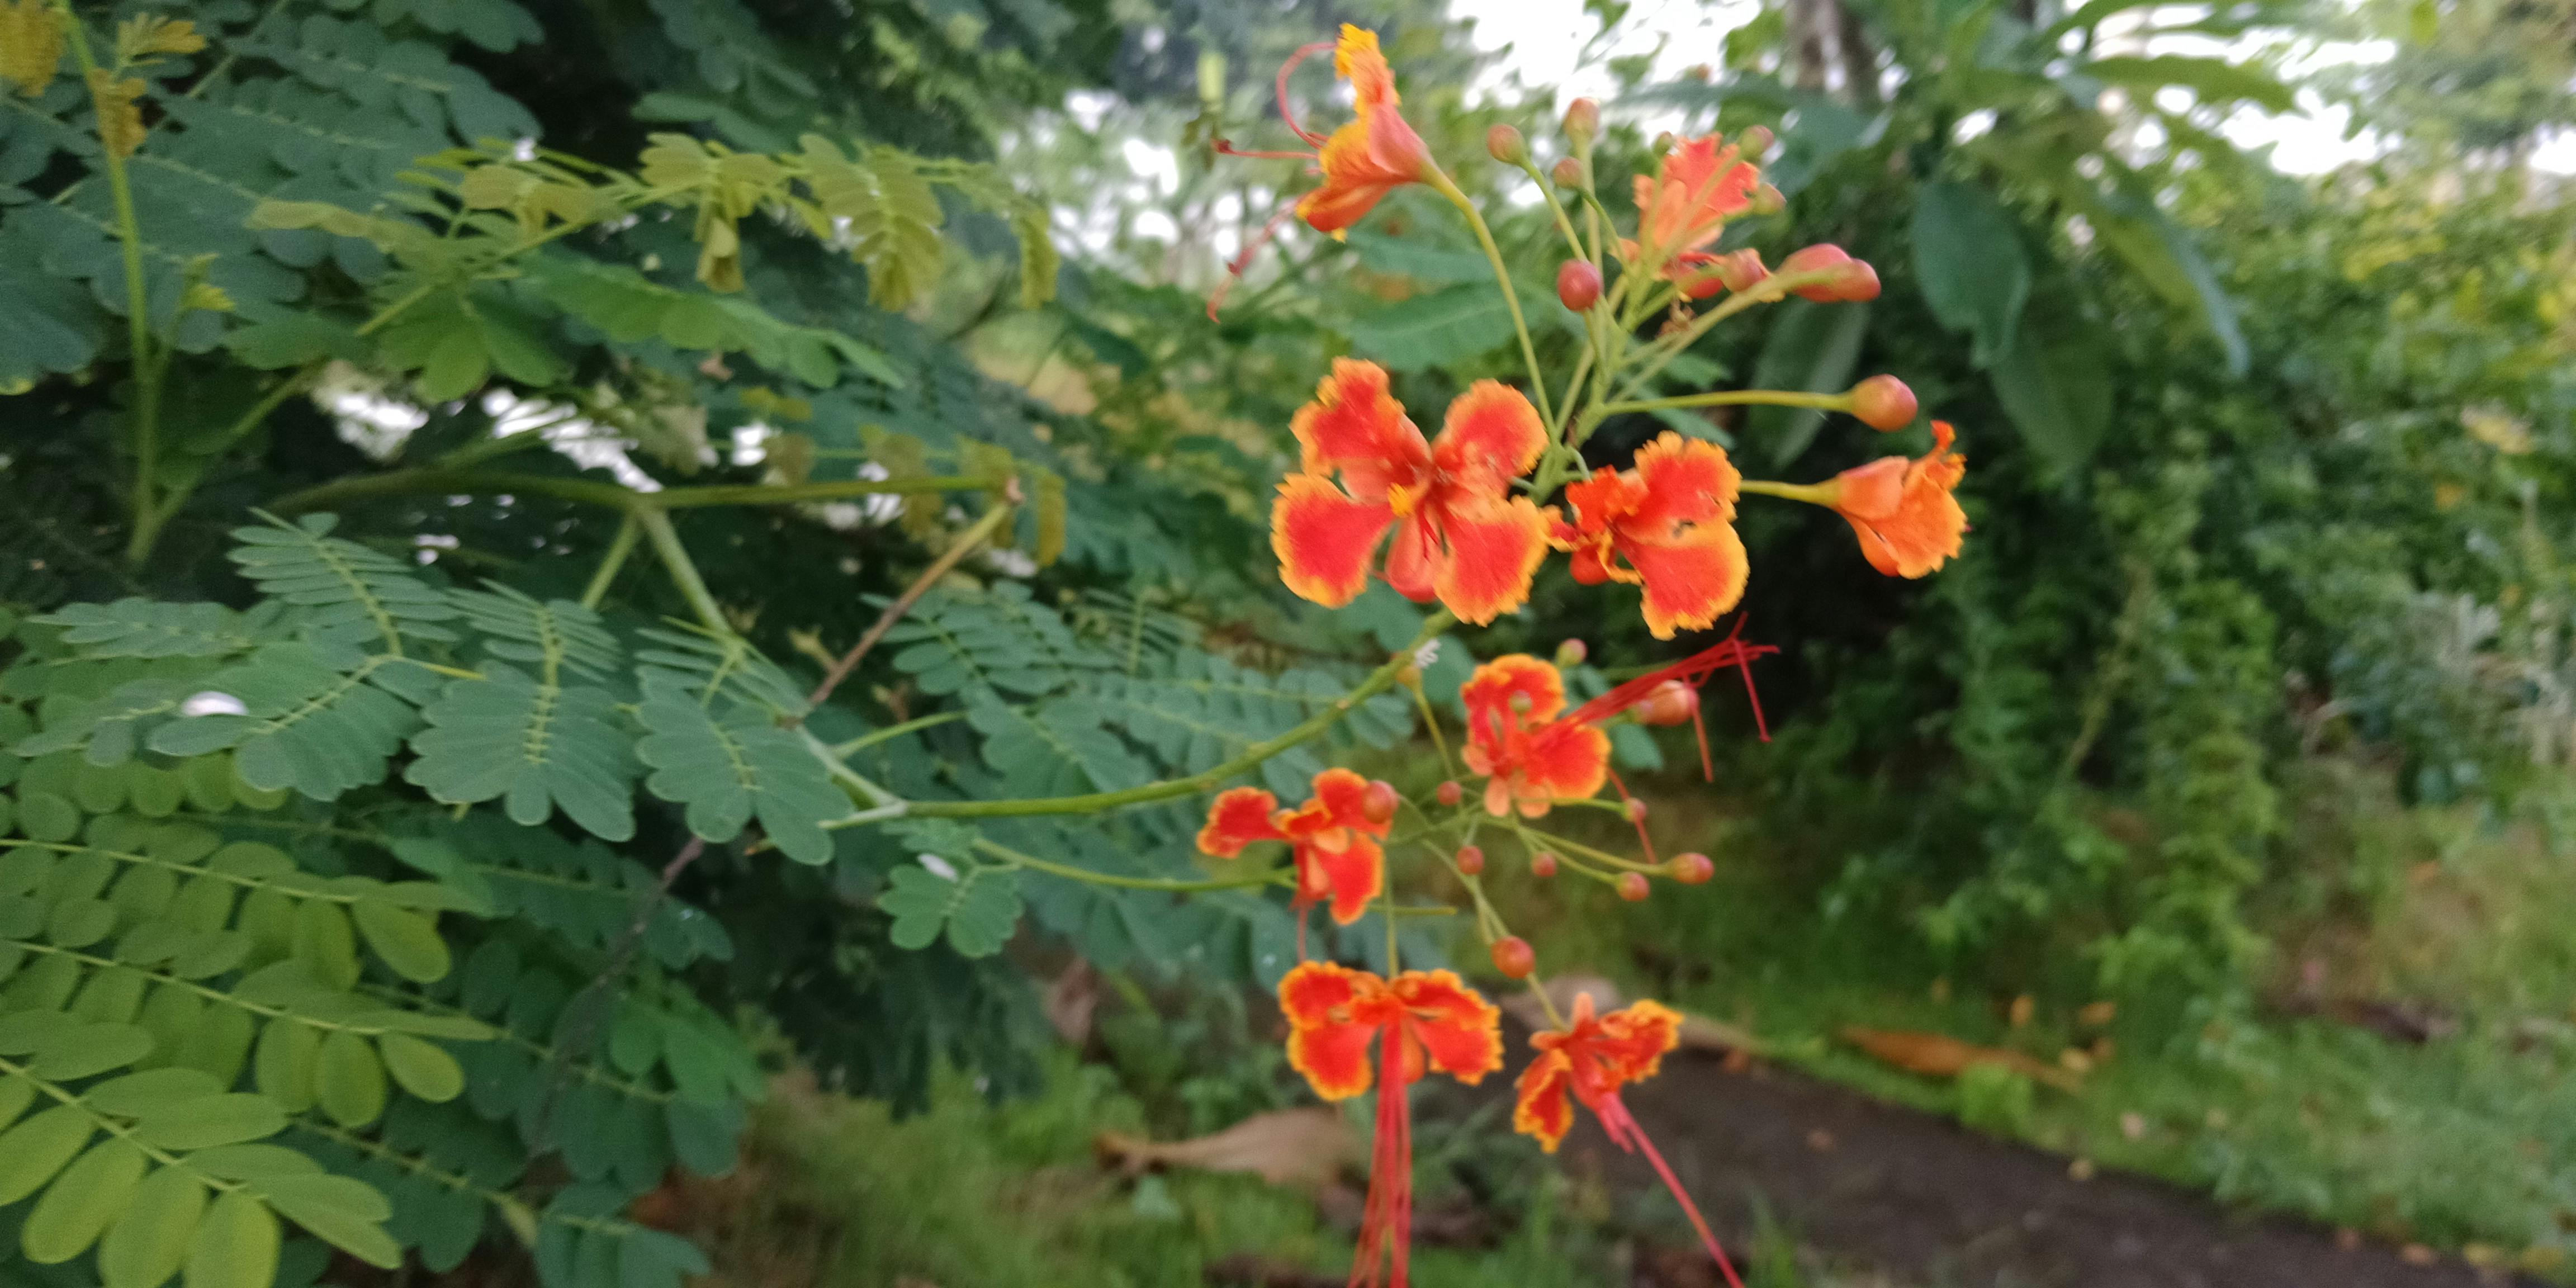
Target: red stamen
(1627, 1135)
(1303, 53)
(1234, 269)
(1693, 670)
(1386, 1218)
(1226, 148)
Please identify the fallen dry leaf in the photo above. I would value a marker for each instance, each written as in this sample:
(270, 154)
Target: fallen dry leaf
(1305, 1147)
(1071, 1001)
(1938, 1055)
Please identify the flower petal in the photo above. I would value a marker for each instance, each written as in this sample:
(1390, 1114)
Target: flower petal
(1324, 539)
(1238, 817)
(1488, 694)
(1344, 795)
(1460, 1032)
(1354, 421)
(1541, 1108)
(1326, 1042)
(1691, 579)
(1413, 562)
(1494, 549)
(1683, 480)
(1491, 434)
(1357, 59)
(1563, 761)
(1632, 1042)
(1352, 875)
(1604, 499)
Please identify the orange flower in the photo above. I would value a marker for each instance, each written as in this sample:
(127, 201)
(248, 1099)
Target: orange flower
(1372, 155)
(1669, 520)
(1696, 188)
(1331, 840)
(1903, 511)
(1422, 1021)
(1461, 535)
(1592, 1058)
(1533, 759)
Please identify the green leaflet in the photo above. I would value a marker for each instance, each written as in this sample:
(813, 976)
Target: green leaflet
(305, 724)
(976, 906)
(627, 306)
(534, 745)
(345, 584)
(893, 216)
(732, 769)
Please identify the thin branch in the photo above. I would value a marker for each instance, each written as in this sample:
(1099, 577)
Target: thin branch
(973, 536)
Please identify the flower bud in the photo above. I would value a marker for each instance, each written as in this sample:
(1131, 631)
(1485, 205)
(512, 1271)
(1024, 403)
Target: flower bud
(1635, 809)
(1739, 270)
(1664, 142)
(1582, 120)
(1543, 864)
(1852, 280)
(1633, 887)
(1692, 869)
(1505, 144)
(1755, 141)
(1766, 200)
(1378, 804)
(1669, 703)
(1451, 793)
(1567, 172)
(1571, 653)
(1578, 284)
(1471, 860)
(1514, 957)
(1883, 403)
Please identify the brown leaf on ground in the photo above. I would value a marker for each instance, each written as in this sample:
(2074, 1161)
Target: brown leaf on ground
(1938, 1055)
(1305, 1147)
(1071, 1001)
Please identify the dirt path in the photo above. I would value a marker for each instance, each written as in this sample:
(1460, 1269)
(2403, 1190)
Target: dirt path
(1926, 1202)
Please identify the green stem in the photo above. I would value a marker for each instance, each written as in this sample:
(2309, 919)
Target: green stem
(1070, 873)
(619, 546)
(1441, 184)
(1378, 682)
(866, 740)
(684, 572)
(1767, 291)
(1732, 398)
(138, 307)
(590, 492)
(1811, 493)
(148, 527)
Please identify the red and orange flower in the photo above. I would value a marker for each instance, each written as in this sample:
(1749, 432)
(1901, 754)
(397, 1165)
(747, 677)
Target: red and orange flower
(1902, 510)
(1421, 1021)
(1375, 153)
(1532, 758)
(1461, 535)
(1697, 186)
(1331, 838)
(1666, 524)
(1586, 1063)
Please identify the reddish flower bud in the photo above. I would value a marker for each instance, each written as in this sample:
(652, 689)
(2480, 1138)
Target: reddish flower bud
(1471, 860)
(1578, 284)
(1739, 270)
(1850, 279)
(1692, 869)
(1633, 887)
(1543, 864)
(1514, 957)
(1669, 703)
(1571, 653)
(1755, 141)
(1582, 120)
(1379, 803)
(1568, 173)
(1451, 793)
(1883, 402)
(1505, 144)
(1635, 809)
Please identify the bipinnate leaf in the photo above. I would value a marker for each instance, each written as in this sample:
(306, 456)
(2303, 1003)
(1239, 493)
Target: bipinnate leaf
(977, 907)
(729, 770)
(533, 744)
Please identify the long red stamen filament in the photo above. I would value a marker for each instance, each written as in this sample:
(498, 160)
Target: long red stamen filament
(1644, 841)
(1627, 1135)
(1234, 268)
(1303, 53)
(1386, 1219)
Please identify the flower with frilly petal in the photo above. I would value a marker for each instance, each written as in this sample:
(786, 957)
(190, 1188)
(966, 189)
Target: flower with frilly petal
(1666, 524)
(1461, 535)
(1902, 509)
(1331, 839)
(1514, 736)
